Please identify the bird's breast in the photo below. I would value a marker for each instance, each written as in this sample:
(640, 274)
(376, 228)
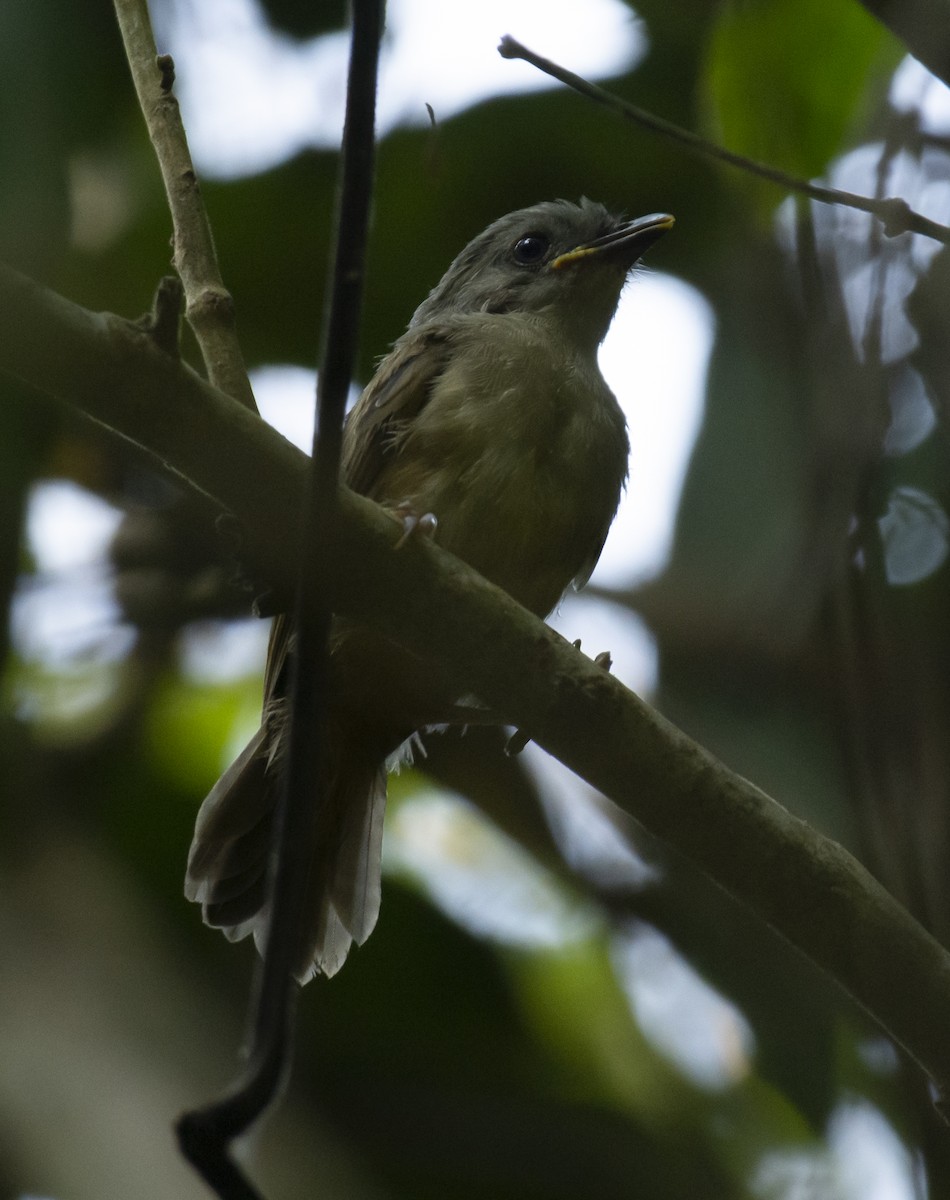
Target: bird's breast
(521, 453)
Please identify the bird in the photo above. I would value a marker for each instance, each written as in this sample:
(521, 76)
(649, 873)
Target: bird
(489, 427)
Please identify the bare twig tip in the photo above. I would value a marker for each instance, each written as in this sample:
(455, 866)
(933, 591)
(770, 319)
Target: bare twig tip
(166, 67)
(162, 323)
(508, 47)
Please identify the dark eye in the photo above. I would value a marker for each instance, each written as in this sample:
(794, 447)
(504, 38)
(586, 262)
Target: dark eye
(531, 248)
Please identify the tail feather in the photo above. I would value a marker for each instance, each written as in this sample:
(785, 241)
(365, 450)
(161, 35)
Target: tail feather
(356, 891)
(239, 917)
(228, 839)
(345, 878)
(327, 948)
(228, 861)
(247, 897)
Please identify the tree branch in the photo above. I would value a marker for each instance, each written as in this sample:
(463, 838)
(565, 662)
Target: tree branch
(209, 306)
(804, 885)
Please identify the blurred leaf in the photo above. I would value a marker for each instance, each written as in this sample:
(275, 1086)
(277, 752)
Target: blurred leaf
(915, 530)
(304, 19)
(787, 79)
(189, 727)
(927, 309)
(577, 1006)
(479, 877)
(67, 705)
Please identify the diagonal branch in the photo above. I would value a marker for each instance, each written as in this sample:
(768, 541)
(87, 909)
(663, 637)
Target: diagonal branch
(804, 885)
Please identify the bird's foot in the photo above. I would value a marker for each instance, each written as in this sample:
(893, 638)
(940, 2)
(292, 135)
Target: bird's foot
(520, 738)
(413, 523)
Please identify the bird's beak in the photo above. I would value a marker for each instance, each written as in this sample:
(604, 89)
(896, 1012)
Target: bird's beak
(624, 245)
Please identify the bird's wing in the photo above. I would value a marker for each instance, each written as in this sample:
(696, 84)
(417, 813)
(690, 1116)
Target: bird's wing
(587, 567)
(276, 682)
(396, 395)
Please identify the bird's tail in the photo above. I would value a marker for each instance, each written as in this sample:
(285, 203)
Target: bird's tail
(230, 853)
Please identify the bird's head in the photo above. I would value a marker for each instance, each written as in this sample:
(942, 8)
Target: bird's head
(566, 260)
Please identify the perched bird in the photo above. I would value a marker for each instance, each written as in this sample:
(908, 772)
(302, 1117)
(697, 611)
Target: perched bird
(490, 412)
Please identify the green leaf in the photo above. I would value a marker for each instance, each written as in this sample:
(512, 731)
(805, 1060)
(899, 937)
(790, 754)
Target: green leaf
(786, 80)
(189, 726)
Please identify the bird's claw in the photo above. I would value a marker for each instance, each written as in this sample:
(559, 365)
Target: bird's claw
(414, 524)
(603, 659)
(520, 738)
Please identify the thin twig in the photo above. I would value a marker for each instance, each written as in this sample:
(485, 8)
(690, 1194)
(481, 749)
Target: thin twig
(896, 214)
(310, 687)
(209, 306)
(205, 1135)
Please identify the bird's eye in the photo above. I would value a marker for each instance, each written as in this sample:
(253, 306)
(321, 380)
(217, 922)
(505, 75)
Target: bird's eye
(531, 248)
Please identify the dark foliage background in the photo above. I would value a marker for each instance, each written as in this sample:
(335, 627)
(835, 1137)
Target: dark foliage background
(800, 624)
